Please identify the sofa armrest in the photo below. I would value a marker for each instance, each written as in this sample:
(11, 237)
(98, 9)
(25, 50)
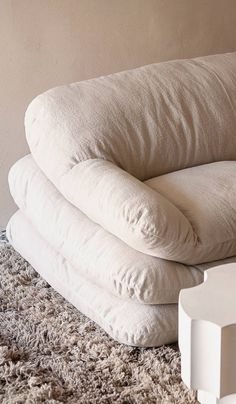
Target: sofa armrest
(128, 208)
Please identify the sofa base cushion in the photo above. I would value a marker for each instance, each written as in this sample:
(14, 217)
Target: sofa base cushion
(126, 321)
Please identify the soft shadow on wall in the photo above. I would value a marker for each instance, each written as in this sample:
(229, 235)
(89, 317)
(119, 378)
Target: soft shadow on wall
(51, 42)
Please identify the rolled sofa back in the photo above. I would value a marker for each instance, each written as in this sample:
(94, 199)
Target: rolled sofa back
(149, 121)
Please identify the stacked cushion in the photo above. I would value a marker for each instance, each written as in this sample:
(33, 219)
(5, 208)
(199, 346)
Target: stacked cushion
(148, 121)
(128, 193)
(98, 140)
(206, 195)
(126, 321)
(107, 261)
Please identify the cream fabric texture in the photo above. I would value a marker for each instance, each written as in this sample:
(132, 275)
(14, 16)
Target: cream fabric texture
(129, 193)
(127, 208)
(98, 140)
(126, 321)
(149, 121)
(206, 195)
(104, 259)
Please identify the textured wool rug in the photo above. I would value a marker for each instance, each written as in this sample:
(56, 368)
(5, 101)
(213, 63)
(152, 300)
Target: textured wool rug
(51, 353)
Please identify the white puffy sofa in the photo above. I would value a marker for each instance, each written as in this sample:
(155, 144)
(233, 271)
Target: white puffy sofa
(129, 192)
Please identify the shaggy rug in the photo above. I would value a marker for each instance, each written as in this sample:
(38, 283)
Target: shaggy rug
(51, 353)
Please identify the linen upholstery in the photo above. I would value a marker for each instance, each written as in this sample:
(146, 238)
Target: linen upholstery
(107, 261)
(124, 320)
(128, 194)
(206, 196)
(98, 140)
(126, 207)
(190, 218)
(127, 321)
(149, 121)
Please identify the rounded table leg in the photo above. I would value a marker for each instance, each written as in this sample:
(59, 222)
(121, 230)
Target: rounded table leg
(206, 398)
(207, 336)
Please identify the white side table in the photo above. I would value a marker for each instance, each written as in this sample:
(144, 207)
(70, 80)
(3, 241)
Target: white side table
(207, 336)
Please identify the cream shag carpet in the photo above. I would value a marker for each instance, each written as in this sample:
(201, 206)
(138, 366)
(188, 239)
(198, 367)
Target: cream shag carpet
(50, 353)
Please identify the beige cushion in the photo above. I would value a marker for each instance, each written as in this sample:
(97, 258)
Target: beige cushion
(187, 216)
(126, 321)
(97, 140)
(206, 196)
(128, 208)
(99, 256)
(149, 121)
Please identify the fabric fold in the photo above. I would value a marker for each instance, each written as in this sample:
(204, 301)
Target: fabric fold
(126, 321)
(104, 258)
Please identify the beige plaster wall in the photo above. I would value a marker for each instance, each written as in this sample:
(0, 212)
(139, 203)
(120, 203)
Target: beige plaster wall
(44, 43)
